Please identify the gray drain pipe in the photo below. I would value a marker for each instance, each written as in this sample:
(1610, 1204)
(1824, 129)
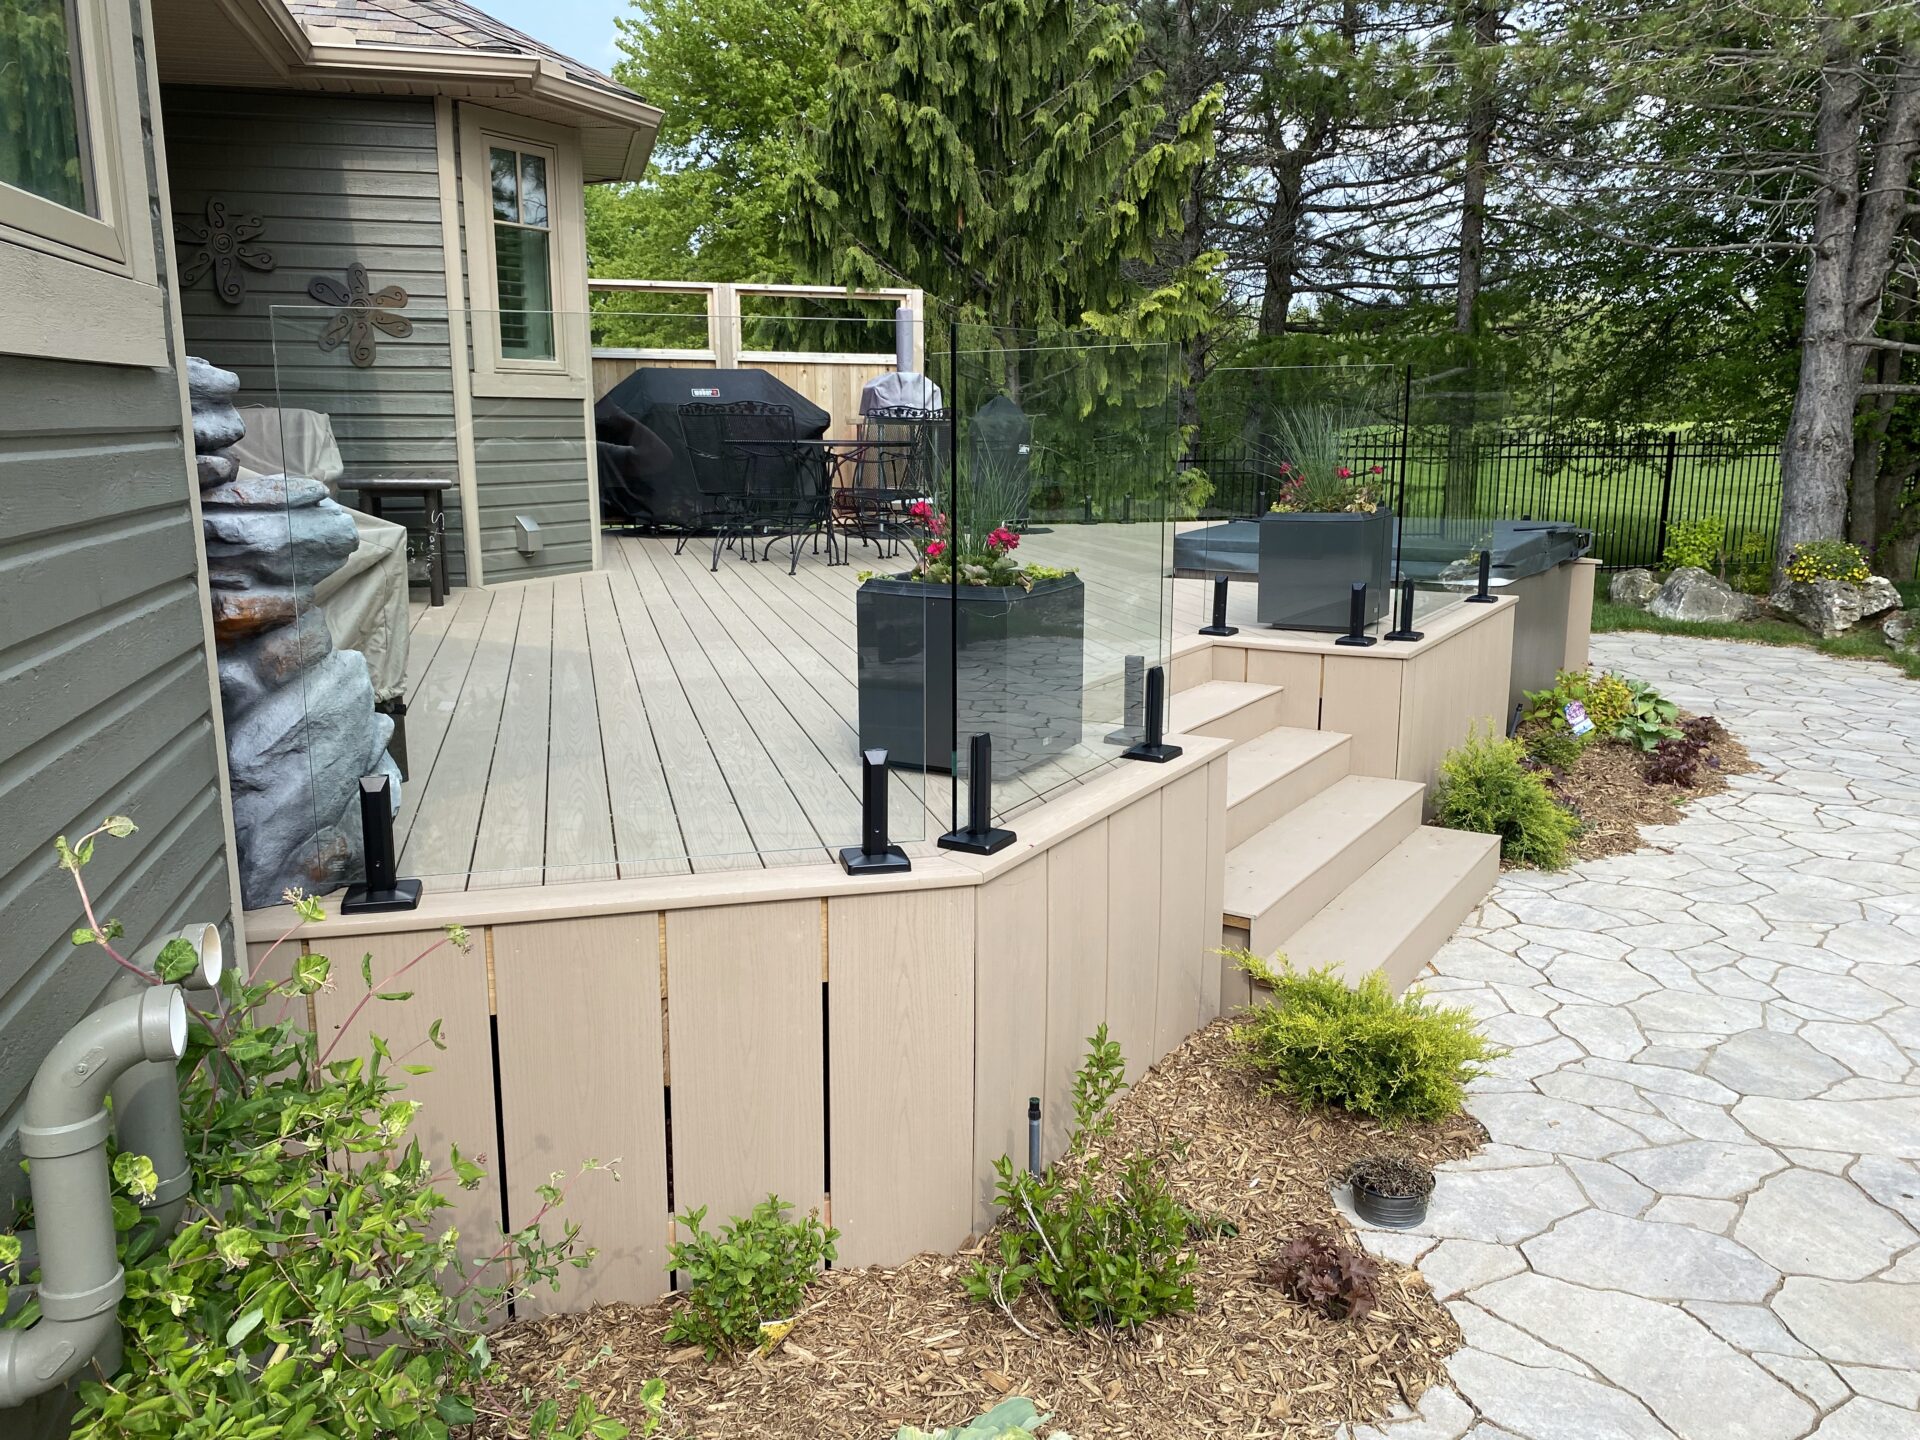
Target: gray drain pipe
(63, 1130)
(146, 1099)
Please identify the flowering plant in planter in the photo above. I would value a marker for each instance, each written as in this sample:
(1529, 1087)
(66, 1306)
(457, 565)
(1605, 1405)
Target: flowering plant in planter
(985, 560)
(1301, 492)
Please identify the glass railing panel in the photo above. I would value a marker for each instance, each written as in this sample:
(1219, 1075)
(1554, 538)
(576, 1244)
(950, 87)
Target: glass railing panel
(1064, 456)
(628, 675)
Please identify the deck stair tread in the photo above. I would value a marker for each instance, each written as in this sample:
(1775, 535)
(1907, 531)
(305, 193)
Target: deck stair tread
(1280, 877)
(1398, 914)
(1274, 773)
(1234, 710)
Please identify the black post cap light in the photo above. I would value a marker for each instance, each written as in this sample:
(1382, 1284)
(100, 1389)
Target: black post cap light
(874, 853)
(384, 889)
(1484, 596)
(1404, 630)
(1154, 747)
(979, 837)
(1357, 618)
(1219, 625)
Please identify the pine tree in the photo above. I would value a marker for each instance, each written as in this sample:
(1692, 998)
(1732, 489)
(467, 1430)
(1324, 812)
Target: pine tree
(1003, 157)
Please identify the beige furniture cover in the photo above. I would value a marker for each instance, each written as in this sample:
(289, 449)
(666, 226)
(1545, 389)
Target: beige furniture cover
(366, 598)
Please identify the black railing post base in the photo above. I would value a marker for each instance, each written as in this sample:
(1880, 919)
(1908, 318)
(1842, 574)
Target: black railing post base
(1357, 619)
(1154, 746)
(384, 890)
(874, 854)
(1404, 631)
(1484, 595)
(1219, 625)
(980, 836)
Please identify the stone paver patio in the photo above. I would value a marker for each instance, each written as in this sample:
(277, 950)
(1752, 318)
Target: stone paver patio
(1699, 1213)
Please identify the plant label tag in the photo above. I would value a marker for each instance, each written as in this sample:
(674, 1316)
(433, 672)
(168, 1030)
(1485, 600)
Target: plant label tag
(1577, 720)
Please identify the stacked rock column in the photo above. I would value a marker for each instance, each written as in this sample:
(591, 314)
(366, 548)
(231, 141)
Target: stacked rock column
(301, 727)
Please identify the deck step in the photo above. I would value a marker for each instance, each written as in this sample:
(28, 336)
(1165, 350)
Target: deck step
(1280, 878)
(1403, 909)
(1273, 773)
(1230, 709)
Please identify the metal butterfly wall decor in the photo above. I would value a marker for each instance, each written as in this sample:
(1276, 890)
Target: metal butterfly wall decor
(220, 244)
(363, 311)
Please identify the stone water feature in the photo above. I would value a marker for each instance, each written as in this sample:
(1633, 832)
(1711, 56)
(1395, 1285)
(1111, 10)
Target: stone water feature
(301, 727)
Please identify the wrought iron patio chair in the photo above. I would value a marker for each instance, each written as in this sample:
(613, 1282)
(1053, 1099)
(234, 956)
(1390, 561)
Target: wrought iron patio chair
(899, 459)
(725, 502)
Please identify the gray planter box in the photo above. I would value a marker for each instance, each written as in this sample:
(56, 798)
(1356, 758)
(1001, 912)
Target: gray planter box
(1309, 565)
(1020, 670)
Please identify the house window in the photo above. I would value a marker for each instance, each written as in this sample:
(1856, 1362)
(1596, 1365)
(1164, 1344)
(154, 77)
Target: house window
(522, 252)
(43, 143)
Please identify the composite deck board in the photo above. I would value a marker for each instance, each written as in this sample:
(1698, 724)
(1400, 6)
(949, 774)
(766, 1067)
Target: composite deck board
(655, 717)
(431, 705)
(446, 822)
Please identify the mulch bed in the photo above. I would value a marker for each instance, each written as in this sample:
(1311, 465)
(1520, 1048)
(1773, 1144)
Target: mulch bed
(880, 1348)
(1606, 789)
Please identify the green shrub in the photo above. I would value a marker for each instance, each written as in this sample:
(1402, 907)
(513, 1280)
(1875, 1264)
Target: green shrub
(757, 1269)
(1486, 787)
(301, 1299)
(1113, 1255)
(1649, 718)
(1012, 1419)
(1693, 542)
(1605, 698)
(1827, 560)
(1557, 749)
(1321, 1041)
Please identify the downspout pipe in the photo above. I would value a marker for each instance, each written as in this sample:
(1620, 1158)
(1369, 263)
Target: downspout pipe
(146, 1099)
(63, 1131)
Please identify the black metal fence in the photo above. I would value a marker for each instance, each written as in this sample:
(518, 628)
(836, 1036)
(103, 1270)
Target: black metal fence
(1628, 486)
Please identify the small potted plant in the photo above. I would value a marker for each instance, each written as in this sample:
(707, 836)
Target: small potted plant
(1390, 1190)
(1326, 530)
(1018, 631)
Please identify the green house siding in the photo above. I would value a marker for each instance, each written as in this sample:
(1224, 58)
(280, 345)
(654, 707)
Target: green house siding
(530, 458)
(106, 700)
(336, 179)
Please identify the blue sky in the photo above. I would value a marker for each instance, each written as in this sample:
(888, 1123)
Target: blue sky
(582, 29)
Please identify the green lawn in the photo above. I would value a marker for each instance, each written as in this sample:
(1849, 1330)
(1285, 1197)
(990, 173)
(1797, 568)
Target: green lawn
(1864, 643)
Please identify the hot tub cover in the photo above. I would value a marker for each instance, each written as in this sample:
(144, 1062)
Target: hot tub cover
(1426, 547)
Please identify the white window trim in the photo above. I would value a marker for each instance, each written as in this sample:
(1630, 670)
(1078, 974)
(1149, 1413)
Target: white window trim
(494, 374)
(81, 287)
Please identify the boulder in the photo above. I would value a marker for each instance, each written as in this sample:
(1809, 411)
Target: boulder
(1692, 594)
(1902, 629)
(252, 669)
(295, 760)
(277, 546)
(216, 469)
(1833, 607)
(263, 492)
(216, 423)
(1633, 587)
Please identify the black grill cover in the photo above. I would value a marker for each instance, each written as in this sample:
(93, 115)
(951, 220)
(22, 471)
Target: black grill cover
(654, 490)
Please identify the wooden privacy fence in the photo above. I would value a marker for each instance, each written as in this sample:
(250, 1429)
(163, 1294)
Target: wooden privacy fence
(865, 1048)
(830, 377)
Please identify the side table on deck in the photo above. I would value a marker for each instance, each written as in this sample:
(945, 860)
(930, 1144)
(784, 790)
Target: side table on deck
(432, 493)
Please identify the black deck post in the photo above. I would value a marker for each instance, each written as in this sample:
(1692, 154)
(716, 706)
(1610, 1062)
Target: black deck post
(1404, 631)
(1154, 747)
(874, 853)
(1357, 618)
(1219, 625)
(979, 837)
(1484, 595)
(384, 889)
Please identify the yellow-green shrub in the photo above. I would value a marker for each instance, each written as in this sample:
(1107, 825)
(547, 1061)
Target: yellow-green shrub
(1827, 560)
(1359, 1047)
(1485, 786)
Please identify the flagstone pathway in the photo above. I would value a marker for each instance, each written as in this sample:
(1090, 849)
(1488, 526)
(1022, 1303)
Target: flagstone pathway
(1699, 1213)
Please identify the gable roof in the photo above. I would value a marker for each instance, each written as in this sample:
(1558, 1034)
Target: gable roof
(436, 25)
(406, 47)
